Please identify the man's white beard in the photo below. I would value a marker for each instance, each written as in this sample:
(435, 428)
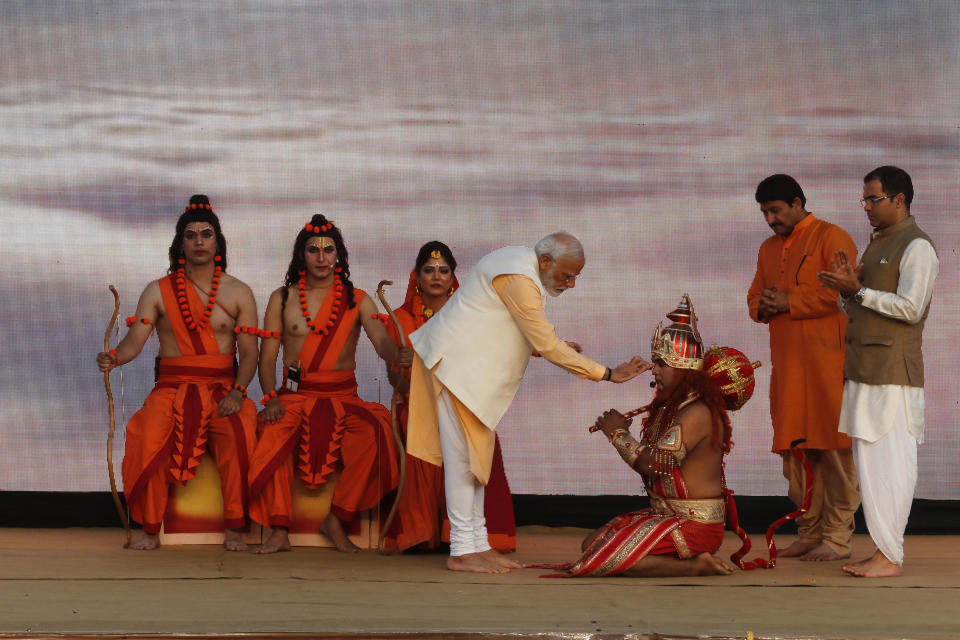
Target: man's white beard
(546, 280)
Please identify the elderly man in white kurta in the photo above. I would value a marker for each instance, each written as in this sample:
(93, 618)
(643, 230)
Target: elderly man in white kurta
(470, 360)
(887, 298)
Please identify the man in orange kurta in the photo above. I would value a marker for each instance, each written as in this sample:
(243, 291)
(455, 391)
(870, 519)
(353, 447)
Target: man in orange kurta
(317, 424)
(199, 401)
(807, 333)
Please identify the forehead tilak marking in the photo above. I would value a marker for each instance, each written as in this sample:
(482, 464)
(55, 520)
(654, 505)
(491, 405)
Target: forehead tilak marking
(321, 242)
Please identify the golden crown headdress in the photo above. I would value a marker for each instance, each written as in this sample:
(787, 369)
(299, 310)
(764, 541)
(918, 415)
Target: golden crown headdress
(679, 345)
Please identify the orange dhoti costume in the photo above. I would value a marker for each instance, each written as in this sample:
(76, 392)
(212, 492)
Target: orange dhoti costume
(179, 420)
(421, 513)
(326, 427)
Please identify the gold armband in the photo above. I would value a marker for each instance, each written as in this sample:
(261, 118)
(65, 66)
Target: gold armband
(626, 445)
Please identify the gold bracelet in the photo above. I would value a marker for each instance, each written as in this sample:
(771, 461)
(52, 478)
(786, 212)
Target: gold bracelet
(626, 445)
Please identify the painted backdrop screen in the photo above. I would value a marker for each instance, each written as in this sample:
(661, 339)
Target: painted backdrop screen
(641, 127)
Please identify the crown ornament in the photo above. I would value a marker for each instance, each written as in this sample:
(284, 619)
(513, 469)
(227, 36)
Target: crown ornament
(679, 345)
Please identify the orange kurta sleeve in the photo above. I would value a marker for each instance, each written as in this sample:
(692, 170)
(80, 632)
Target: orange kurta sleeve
(757, 287)
(522, 298)
(813, 299)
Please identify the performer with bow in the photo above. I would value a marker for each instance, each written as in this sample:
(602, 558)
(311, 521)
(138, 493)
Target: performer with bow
(315, 423)
(202, 316)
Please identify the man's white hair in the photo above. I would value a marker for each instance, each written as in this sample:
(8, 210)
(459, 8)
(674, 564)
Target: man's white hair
(560, 245)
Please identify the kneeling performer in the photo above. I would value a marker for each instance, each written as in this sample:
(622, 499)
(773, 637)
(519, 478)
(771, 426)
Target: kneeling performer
(679, 455)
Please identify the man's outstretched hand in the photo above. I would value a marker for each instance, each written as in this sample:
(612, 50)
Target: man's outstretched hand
(630, 370)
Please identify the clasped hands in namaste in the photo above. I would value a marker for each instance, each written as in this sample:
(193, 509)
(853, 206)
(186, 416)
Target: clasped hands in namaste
(843, 276)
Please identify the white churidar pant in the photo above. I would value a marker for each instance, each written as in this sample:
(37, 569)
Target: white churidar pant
(468, 525)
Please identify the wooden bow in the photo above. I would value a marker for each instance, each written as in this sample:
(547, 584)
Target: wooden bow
(394, 401)
(106, 383)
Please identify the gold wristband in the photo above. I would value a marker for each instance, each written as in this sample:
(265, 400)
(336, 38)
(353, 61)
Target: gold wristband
(626, 445)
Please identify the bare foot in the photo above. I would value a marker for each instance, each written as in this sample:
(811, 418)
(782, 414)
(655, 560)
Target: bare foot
(798, 548)
(848, 568)
(497, 558)
(876, 566)
(233, 540)
(333, 529)
(710, 565)
(279, 540)
(474, 562)
(822, 553)
(147, 542)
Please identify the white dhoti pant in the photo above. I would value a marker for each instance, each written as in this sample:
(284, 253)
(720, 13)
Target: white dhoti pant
(468, 525)
(887, 470)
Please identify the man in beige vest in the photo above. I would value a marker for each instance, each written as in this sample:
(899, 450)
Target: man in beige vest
(470, 360)
(887, 298)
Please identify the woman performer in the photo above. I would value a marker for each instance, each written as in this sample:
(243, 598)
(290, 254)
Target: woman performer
(421, 515)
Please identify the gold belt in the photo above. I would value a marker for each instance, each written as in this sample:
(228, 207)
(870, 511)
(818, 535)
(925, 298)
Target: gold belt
(707, 511)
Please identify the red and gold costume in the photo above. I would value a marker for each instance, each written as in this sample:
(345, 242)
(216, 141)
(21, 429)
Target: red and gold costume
(673, 525)
(325, 427)
(421, 514)
(179, 420)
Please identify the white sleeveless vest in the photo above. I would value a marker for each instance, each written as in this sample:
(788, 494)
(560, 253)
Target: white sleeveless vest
(481, 351)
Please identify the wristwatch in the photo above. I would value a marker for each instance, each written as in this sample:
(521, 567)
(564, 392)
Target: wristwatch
(858, 296)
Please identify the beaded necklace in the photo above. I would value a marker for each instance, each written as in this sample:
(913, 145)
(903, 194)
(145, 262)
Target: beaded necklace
(334, 311)
(192, 324)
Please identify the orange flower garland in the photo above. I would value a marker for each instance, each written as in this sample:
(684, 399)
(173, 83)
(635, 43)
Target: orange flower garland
(334, 312)
(185, 305)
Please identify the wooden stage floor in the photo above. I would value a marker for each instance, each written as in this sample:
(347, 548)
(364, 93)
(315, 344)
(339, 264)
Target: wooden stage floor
(56, 582)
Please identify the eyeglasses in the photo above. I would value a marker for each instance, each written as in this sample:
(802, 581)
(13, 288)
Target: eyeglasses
(873, 200)
(569, 279)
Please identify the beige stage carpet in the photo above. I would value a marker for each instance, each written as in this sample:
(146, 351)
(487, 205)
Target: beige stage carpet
(79, 581)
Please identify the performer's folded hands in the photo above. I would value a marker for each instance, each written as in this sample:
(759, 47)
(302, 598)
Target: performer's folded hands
(610, 421)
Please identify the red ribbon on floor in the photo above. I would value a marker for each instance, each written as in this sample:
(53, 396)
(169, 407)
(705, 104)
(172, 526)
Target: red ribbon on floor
(760, 563)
